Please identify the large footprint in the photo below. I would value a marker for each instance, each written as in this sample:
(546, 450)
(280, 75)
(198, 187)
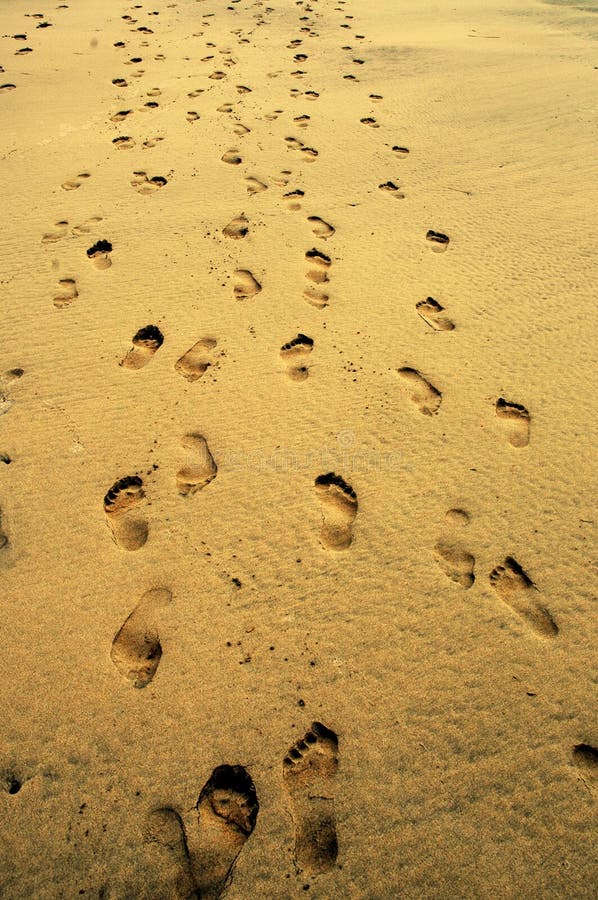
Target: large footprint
(517, 590)
(194, 476)
(166, 847)
(308, 773)
(136, 650)
(227, 813)
(129, 530)
(516, 418)
(145, 342)
(197, 360)
(339, 508)
(425, 396)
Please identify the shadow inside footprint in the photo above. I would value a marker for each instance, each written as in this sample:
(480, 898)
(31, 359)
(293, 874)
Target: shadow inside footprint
(308, 774)
(339, 509)
(426, 397)
(145, 344)
(197, 360)
(136, 650)
(517, 590)
(100, 254)
(517, 419)
(227, 813)
(129, 530)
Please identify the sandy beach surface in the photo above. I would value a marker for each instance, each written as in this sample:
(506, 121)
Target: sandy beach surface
(297, 440)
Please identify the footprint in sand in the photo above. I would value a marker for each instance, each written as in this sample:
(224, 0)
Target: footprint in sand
(168, 854)
(433, 313)
(145, 185)
(99, 254)
(321, 228)
(237, 228)
(121, 115)
(124, 142)
(367, 120)
(308, 772)
(438, 240)
(241, 130)
(320, 265)
(339, 508)
(3, 535)
(389, 187)
(145, 342)
(516, 419)
(227, 812)
(196, 475)
(197, 360)
(518, 591)
(246, 286)
(121, 503)
(192, 116)
(293, 198)
(73, 183)
(119, 82)
(195, 93)
(5, 380)
(302, 121)
(151, 142)
(136, 650)
(232, 158)
(401, 151)
(294, 353)
(454, 561)
(60, 230)
(4, 88)
(86, 227)
(585, 756)
(425, 396)
(68, 293)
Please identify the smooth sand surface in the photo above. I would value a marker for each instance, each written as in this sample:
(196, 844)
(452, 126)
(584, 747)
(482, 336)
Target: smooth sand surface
(297, 582)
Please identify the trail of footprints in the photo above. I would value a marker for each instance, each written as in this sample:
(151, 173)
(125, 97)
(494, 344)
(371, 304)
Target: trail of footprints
(197, 856)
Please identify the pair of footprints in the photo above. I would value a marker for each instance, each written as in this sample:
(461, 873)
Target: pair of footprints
(515, 417)
(122, 503)
(191, 365)
(197, 861)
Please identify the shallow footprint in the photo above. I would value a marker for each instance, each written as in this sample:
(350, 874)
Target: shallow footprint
(254, 186)
(136, 650)
(425, 396)
(517, 420)
(391, 188)
(68, 293)
(227, 812)
(294, 352)
(166, 847)
(339, 508)
(516, 589)
(237, 228)
(321, 228)
(193, 477)
(246, 286)
(308, 772)
(232, 157)
(60, 229)
(145, 342)
(197, 360)
(73, 183)
(145, 185)
(455, 562)
(129, 530)
(433, 313)
(3, 536)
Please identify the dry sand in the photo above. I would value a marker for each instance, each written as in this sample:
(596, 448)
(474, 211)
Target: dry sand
(384, 529)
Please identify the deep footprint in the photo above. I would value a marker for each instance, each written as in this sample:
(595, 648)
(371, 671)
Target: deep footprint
(438, 240)
(129, 530)
(321, 228)
(227, 812)
(425, 396)
(308, 772)
(196, 475)
(136, 650)
(339, 509)
(99, 254)
(518, 591)
(145, 344)
(517, 420)
(68, 293)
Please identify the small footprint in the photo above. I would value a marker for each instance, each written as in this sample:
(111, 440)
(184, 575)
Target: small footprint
(369, 121)
(308, 772)
(232, 158)
(192, 116)
(119, 82)
(433, 313)
(195, 93)
(145, 185)
(100, 254)
(73, 183)
(316, 297)
(425, 396)
(3, 535)
(456, 563)
(293, 198)
(321, 228)
(166, 845)
(136, 650)
(68, 293)
(129, 530)
(60, 229)
(237, 228)
(227, 812)
(517, 590)
(196, 475)
(246, 286)
(121, 115)
(517, 421)
(438, 240)
(391, 188)
(197, 360)
(241, 130)
(145, 342)
(124, 142)
(339, 509)
(321, 264)
(86, 227)
(254, 186)
(401, 151)
(294, 353)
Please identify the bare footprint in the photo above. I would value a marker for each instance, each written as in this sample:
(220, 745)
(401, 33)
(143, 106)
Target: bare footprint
(517, 590)
(145, 185)
(197, 360)
(438, 240)
(321, 228)
(121, 115)
(168, 854)
(425, 396)
(197, 474)
(136, 650)
(227, 812)
(86, 227)
(316, 297)
(294, 353)
(3, 535)
(73, 183)
(391, 188)
(129, 530)
(321, 263)
(517, 421)
(308, 772)
(68, 293)
(60, 230)
(433, 313)
(232, 158)
(99, 254)
(369, 121)
(145, 342)
(339, 508)
(246, 286)
(254, 186)
(124, 142)
(237, 228)
(456, 563)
